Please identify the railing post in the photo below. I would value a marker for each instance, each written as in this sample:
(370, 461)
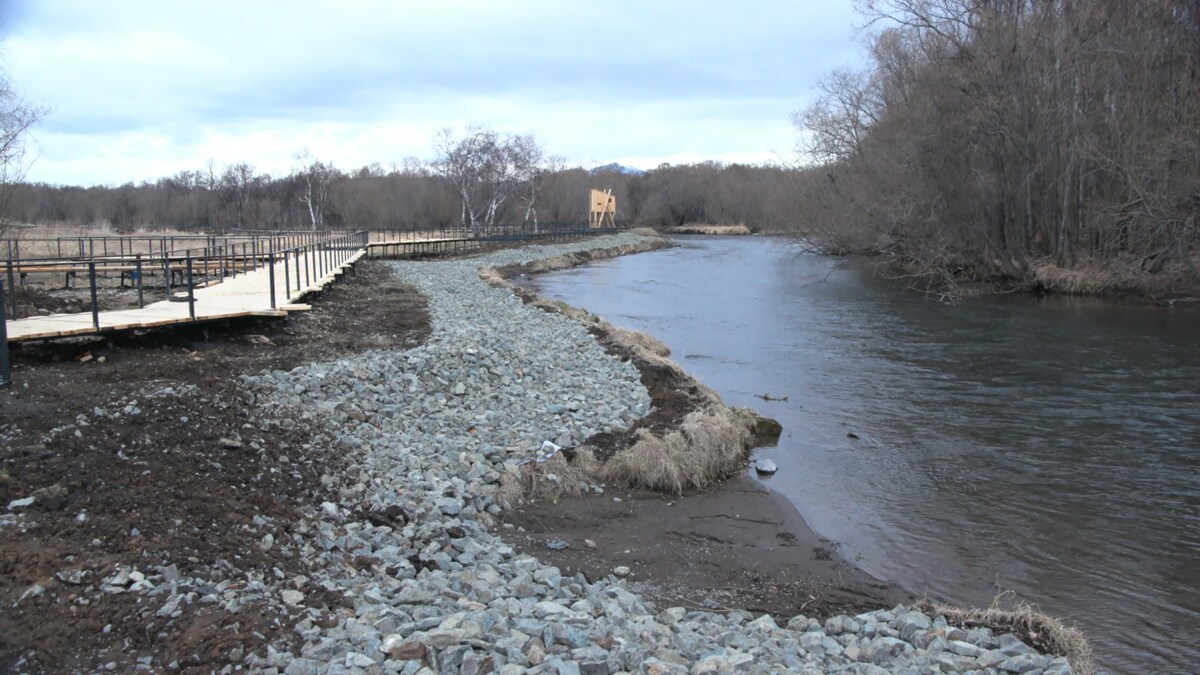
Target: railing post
(287, 280)
(191, 289)
(5, 365)
(12, 290)
(138, 272)
(271, 275)
(95, 301)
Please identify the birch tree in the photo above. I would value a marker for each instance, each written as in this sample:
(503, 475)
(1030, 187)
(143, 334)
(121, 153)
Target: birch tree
(16, 117)
(315, 179)
(486, 170)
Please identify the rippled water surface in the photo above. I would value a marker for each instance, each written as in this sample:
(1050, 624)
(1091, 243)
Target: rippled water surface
(1050, 448)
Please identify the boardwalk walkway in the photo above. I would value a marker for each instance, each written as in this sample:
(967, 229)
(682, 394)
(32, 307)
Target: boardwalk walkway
(247, 294)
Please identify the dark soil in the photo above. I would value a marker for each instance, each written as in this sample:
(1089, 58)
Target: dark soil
(178, 482)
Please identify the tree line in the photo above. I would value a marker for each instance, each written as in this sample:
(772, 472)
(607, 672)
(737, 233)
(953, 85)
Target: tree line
(1000, 138)
(481, 179)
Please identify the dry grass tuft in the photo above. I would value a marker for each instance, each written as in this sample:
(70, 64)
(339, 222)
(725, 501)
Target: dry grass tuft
(1071, 281)
(637, 340)
(710, 445)
(553, 479)
(645, 231)
(698, 228)
(492, 277)
(1024, 620)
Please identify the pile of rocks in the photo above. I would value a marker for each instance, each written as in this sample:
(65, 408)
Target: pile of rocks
(428, 434)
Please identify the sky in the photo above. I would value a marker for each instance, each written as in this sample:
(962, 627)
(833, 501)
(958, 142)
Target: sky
(138, 90)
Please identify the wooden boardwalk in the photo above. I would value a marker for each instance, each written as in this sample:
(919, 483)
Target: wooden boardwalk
(247, 294)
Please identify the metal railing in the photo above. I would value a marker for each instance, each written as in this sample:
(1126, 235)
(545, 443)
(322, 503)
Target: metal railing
(5, 363)
(331, 254)
(310, 256)
(456, 241)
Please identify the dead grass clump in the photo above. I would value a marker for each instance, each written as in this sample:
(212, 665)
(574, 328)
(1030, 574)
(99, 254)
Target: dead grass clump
(710, 445)
(638, 340)
(491, 276)
(645, 231)
(1044, 632)
(553, 479)
(1071, 281)
(698, 228)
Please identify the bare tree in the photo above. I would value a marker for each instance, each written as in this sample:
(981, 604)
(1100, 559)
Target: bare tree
(239, 182)
(16, 117)
(533, 167)
(486, 169)
(1001, 140)
(315, 177)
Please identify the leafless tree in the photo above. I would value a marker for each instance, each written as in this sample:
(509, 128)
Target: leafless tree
(996, 138)
(17, 115)
(239, 182)
(315, 177)
(532, 169)
(486, 169)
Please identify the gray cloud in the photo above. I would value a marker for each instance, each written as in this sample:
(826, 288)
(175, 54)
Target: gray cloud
(166, 85)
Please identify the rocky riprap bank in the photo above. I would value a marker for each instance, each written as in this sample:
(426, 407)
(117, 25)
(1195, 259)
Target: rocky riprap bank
(428, 433)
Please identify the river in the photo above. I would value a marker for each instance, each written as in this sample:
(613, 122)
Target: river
(1047, 448)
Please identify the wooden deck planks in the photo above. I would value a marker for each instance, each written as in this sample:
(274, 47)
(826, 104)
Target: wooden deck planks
(247, 294)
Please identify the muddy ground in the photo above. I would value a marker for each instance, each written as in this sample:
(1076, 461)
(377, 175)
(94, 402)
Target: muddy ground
(176, 487)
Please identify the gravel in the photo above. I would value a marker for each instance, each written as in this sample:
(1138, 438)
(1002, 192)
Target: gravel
(428, 433)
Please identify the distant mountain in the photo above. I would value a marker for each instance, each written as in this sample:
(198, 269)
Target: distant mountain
(617, 168)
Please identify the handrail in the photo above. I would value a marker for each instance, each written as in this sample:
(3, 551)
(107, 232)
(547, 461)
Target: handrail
(197, 266)
(5, 363)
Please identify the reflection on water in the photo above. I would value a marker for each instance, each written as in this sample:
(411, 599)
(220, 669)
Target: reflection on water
(1045, 447)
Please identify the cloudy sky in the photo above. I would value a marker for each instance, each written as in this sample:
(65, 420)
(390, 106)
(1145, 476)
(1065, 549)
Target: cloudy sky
(137, 90)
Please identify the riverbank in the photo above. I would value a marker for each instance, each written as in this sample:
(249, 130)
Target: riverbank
(725, 542)
(1177, 287)
(374, 546)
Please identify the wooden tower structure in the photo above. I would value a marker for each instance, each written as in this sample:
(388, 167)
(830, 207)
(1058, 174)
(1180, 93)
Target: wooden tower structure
(602, 209)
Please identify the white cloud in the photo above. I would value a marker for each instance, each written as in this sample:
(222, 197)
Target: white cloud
(140, 90)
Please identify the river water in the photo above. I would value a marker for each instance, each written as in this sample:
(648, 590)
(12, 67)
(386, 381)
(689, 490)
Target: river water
(1046, 448)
